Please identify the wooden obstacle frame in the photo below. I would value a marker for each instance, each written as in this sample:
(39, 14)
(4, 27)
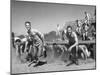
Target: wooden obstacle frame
(64, 42)
(80, 42)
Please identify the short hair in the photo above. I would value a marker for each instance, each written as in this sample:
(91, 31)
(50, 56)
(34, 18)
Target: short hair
(28, 22)
(69, 27)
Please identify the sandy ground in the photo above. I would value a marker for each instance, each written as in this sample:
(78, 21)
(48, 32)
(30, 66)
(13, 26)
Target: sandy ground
(54, 63)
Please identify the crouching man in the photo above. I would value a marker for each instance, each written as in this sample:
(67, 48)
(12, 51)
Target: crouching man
(72, 45)
(35, 41)
(19, 45)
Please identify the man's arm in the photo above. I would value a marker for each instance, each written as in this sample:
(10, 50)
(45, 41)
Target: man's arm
(40, 35)
(26, 43)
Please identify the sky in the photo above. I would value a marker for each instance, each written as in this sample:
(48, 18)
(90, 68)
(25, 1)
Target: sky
(45, 16)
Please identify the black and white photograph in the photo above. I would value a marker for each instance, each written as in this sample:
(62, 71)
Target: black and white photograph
(52, 37)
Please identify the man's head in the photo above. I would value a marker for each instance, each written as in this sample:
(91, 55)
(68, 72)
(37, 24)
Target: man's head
(17, 41)
(28, 25)
(69, 29)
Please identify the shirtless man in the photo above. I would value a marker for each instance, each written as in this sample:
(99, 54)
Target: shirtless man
(35, 40)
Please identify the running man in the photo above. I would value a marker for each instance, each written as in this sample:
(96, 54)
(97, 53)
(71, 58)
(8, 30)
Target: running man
(72, 45)
(35, 40)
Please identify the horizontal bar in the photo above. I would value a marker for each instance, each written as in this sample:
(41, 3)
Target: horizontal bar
(64, 42)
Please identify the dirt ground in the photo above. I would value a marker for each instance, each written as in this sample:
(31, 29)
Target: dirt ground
(54, 63)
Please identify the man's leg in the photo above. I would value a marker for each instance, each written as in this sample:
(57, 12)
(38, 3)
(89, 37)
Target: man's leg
(39, 53)
(19, 52)
(23, 48)
(74, 56)
(28, 47)
(35, 54)
(83, 37)
(29, 51)
(40, 49)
